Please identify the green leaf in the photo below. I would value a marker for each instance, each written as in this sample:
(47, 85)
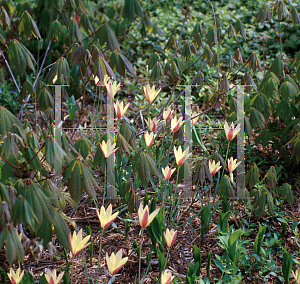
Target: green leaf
(88, 182)
(62, 231)
(83, 146)
(138, 9)
(143, 169)
(127, 65)
(211, 35)
(129, 10)
(75, 181)
(45, 203)
(7, 119)
(27, 89)
(153, 167)
(277, 67)
(259, 238)
(16, 56)
(45, 99)
(45, 233)
(288, 91)
(287, 266)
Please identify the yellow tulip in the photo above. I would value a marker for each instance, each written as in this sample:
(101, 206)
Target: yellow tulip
(149, 138)
(152, 123)
(232, 165)
(144, 217)
(213, 167)
(105, 217)
(52, 278)
(15, 278)
(194, 120)
(108, 148)
(115, 262)
(170, 237)
(76, 242)
(176, 124)
(150, 93)
(231, 132)
(111, 88)
(120, 109)
(167, 113)
(166, 277)
(181, 156)
(167, 172)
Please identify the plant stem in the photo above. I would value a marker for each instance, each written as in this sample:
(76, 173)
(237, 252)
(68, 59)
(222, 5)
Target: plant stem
(167, 256)
(226, 157)
(99, 256)
(72, 269)
(280, 38)
(140, 256)
(163, 201)
(104, 182)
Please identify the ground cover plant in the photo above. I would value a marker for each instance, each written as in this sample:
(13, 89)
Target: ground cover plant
(124, 128)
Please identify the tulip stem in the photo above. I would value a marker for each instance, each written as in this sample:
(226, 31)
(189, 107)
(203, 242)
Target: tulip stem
(140, 256)
(163, 201)
(104, 182)
(72, 269)
(226, 157)
(98, 267)
(167, 257)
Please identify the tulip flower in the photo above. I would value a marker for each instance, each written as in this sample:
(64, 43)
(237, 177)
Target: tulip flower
(111, 88)
(167, 113)
(150, 93)
(76, 242)
(120, 109)
(194, 120)
(231, 132)
(166, 277)
(181, 156)
(144, 217)
(232, 165)
(213, 167)
(108, 148)
(115, 262)
(105, 217)
(15, 277)
(52, 278)
(149, 138)
(152, 123)
(167, 172)
(170, 237)
(175, 124)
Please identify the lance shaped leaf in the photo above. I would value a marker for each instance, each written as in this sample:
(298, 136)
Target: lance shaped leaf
(75, 180)
(16, 57)
(277, 67)
(7, 119)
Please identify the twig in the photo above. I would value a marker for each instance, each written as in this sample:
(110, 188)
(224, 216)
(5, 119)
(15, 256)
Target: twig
(189, 84)
(33, 156)
(12, 33)
(37, 77)
(12, 75)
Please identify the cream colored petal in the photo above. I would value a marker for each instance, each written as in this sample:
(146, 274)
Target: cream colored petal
(152, 215)
(60, 276)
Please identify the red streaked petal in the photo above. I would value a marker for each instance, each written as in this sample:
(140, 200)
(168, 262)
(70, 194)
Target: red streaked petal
(70, 242)
(181, 161)
(230, 134)
(117, 269)
(145, 219)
